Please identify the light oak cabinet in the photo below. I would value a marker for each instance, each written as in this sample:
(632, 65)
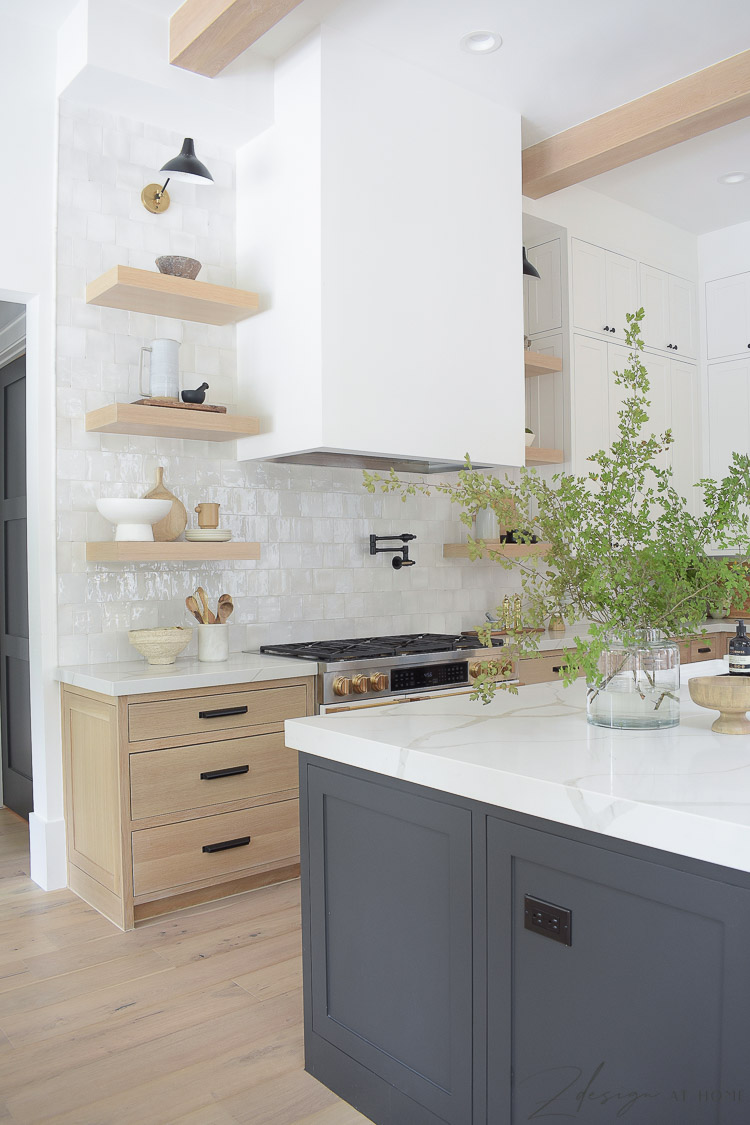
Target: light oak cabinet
(180, 797)
(728, 316)
(671, 322)
(547, 667)
(605, 288)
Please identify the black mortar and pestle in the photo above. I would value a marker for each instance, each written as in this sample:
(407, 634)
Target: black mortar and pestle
(197, 397)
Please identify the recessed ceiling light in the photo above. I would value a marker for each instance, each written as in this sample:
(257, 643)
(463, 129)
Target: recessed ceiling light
(734, 178)
(481, 42)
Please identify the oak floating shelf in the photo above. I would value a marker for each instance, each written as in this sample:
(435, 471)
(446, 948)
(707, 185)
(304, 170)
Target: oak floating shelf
(509, 550)
(161, 294)
(535, 456)
(536, 363)
(161, 421)
(171, 552)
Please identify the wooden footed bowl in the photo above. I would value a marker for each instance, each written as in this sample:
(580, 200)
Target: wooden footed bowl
(730, 695)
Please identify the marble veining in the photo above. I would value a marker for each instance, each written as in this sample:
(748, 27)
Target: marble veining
(684, 790)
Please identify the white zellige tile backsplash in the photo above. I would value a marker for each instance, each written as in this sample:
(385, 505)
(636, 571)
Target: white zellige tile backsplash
(315, 577)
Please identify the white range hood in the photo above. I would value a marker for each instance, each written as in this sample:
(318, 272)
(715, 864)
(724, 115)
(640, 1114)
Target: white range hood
(379, 218)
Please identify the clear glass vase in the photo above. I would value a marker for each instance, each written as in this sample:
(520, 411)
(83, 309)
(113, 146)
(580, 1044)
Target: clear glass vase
(639, 684)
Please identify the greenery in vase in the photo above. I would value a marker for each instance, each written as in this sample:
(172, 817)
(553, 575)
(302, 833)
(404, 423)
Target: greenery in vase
(624, 550)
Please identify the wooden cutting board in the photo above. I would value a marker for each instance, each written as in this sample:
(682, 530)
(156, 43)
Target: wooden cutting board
(175, 522)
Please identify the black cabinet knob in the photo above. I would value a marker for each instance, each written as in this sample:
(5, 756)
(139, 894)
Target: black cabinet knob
(606, 329)
(611, 329)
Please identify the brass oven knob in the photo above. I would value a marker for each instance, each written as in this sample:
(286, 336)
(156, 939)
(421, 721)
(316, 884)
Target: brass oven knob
(379, 682)
(360, 684)
(342, 686)
(475, 669)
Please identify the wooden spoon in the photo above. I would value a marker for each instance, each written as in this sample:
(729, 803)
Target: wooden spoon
(208, 617)
(225, 608)
(192, 605)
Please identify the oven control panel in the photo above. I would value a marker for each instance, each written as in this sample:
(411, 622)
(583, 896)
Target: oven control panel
(430, 676)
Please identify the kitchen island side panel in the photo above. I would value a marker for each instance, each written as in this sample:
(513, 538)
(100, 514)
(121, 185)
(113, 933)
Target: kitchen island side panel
(388, 949)
(655, 985)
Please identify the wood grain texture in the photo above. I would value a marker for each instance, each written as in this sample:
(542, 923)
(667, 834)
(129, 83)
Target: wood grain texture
(536, 456)
(687, 108)
(508, 550)
(206, 35)
(175, 521)
(192, 1020)
(172, 855)
(167, 781)
(537, 363)
(160, 294)
(175, 717)
(164, 421)
(170, 552)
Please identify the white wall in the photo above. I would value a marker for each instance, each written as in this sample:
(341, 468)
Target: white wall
(405, 190)
(597, 218)
(27, 237)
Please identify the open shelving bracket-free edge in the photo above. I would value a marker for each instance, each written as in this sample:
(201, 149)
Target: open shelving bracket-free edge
(161, 421)
(161, 294)
(110, 551)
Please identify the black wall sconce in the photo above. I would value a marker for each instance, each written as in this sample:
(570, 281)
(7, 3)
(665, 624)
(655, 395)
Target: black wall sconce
(528, 269)
(396, 562)
(185, 167)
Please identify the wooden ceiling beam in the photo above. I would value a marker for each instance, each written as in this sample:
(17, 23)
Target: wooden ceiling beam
(206, 35)
(694, 105)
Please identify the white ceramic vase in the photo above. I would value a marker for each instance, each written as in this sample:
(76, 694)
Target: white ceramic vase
(213, 642)
(164, 376)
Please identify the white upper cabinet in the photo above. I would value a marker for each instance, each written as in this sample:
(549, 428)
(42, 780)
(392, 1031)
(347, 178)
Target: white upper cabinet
(605, 288)
(544, 294)
(670, 323)
(685, 424)
(728, 316)
(728, 413)
(590, 400)
(683, 317)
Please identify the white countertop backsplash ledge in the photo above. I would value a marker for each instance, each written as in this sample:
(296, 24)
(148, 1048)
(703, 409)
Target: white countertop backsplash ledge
(685, 790)
(138, 678)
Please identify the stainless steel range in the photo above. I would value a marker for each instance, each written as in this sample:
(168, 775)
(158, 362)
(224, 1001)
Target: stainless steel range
(367, 671)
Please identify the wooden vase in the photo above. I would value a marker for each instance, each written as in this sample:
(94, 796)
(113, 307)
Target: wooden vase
(175, 522)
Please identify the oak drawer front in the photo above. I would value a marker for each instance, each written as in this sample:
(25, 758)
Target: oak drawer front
(191, 777)
(199, 714)
(196, 850)
(704, 649)
(540, 669)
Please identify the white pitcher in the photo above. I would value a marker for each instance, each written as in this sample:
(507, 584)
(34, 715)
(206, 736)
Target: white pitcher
(164, 377)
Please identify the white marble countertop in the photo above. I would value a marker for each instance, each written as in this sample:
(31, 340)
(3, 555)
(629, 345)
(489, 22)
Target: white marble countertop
(136, 677)
(685, 790)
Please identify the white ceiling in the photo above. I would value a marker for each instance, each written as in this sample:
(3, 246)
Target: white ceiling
(680, 184)
(560, 63)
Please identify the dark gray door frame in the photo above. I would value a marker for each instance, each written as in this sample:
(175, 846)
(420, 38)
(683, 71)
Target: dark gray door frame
(15, 706)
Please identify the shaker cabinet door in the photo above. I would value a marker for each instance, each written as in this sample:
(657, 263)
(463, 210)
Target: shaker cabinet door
(685, 424)
(389, 1005)
(622, 292)
(655, 302)
(589, 287)
(645, 1012)
(728, 413)
(591, 391)
(545, 292)
(728, 316)
(683, 317)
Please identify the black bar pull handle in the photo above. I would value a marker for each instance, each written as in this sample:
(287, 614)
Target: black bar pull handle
(222, 712)
(707, 649)
(556, 667)
(209, 775)
(224, 845)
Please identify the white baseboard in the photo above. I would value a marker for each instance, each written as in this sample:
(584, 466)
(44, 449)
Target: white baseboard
(47, 844)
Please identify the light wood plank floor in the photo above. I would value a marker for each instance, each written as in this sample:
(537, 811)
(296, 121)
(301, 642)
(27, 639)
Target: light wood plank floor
(192, 1019)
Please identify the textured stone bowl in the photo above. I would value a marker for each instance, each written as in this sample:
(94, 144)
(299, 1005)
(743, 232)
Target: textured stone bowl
(178, 266)
(729, 695)
(160, 646)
